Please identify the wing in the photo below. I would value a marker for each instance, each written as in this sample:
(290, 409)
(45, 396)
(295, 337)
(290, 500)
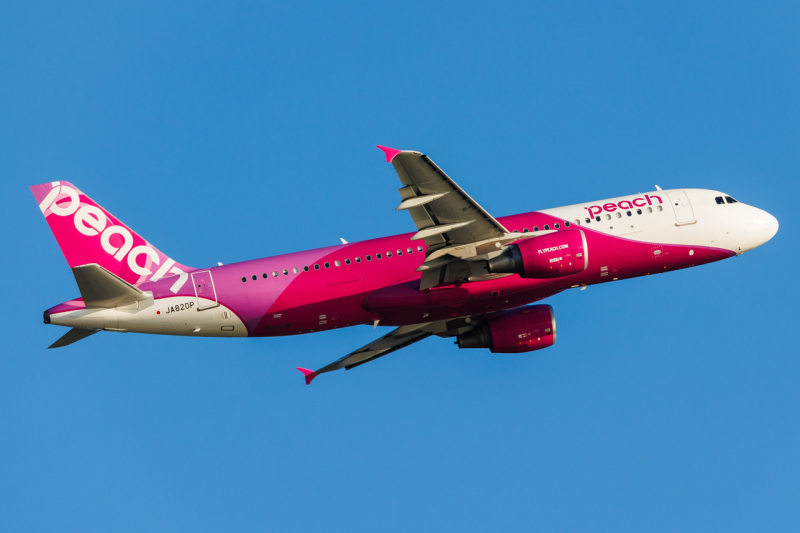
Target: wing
(393, 341)
(399, 338)
(442, 211)
(455, 229)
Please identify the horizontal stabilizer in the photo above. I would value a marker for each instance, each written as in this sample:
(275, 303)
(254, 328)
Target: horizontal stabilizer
(101, 289)
(73, 335)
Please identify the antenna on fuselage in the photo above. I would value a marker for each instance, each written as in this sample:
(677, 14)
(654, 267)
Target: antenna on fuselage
(658, 188)
(345, 242)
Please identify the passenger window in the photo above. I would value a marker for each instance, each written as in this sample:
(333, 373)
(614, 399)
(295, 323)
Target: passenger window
(358, 259)
(274, 273)
(285, 272)
(347, 261)
(566, 224)
(337, 263)
(378, 256)
(305, 269)
(536, 228)
(388, 254)
(730, 200)
(588, 220)
(619, 215)
(557, 226)
(629, 213)
(719, 200)
(638, 211)
(264, 275)
(524, 230)
(369, 258)
(597, 218)
(515, 231)
(399, 252)
(419, 249)
(547, 226)
(659, 208)
(327, 265)
(649, 209)
(244, 280)
(295, 270)
(316, 267)
(409, 250)
(255, 277)
(608, 217)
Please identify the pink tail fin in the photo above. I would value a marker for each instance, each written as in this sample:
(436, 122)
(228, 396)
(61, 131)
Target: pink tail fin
(87, 233)
(309, 374)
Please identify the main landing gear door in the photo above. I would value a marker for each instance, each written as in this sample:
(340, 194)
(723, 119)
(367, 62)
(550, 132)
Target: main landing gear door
(204, 290)
(682, 208)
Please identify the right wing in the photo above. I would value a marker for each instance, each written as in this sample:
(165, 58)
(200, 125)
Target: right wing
(398, 338)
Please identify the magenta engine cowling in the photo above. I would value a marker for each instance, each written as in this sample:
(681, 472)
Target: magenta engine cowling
(553, 255)
(517, 331)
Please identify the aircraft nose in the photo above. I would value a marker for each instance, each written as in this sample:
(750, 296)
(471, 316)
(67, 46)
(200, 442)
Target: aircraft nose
(770, 226)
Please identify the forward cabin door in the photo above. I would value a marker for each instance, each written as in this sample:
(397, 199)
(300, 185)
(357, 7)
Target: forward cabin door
(684, 214)
(204, 289)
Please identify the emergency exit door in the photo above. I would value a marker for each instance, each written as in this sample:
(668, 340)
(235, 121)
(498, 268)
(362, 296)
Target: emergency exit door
(204, 289)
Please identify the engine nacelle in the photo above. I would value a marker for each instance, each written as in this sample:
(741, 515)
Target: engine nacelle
(553, 255)
(517, 331)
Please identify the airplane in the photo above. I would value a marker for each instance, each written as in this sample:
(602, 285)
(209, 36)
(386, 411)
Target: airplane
(463, 274)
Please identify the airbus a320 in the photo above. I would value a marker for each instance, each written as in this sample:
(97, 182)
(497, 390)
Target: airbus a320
(462, 274)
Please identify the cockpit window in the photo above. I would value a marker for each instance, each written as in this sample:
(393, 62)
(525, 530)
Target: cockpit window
(730, 200)
(719, 200)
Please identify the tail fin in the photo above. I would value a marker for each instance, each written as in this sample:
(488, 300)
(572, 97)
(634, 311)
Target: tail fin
(87, 233)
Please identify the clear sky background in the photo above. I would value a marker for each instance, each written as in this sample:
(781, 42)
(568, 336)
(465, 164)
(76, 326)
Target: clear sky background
(226, 133)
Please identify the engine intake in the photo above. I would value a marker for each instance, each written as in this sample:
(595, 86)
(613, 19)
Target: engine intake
(552, 255)
(517, 331)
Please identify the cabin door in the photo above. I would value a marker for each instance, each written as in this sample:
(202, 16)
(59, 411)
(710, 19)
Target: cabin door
(204, 289)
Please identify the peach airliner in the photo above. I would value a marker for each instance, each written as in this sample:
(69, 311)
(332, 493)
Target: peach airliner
(463, 274)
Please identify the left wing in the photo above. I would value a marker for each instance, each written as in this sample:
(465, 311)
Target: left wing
(442, 211)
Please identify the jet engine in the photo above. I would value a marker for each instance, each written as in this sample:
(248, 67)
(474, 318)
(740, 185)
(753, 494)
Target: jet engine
(516, 331)
(552, 255)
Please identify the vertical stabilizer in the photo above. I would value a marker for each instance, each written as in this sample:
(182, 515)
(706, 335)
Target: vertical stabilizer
(87, 233)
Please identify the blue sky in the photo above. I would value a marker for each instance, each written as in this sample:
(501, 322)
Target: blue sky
(225, 133)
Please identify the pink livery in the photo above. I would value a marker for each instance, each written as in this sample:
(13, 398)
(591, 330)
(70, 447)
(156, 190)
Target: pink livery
(462, 274)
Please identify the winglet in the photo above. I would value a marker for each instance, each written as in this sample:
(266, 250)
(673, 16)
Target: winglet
(309, 374)
(390, 153)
